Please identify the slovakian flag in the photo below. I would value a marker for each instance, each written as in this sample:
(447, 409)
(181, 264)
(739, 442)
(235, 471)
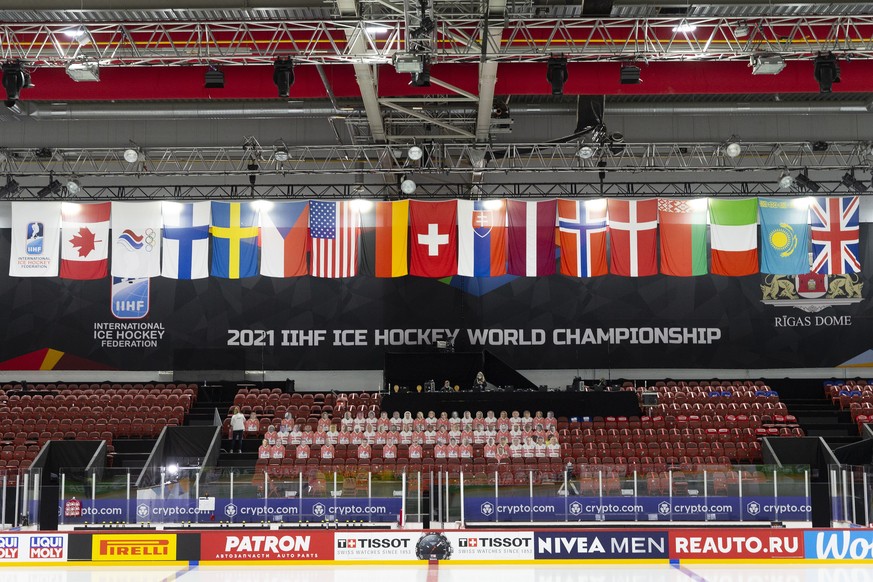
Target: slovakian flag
(481, 238)
(784, 235)
(531, 237)
(683, 237)
(633, 237)
(234, 239)
(185, 240)
(334, 228)
(284, 239)
(385, 239)
(85, 240)
(834, 224)
(36, 232)
(433, 238)
(734, 236)
(582, 235)
(136, 239)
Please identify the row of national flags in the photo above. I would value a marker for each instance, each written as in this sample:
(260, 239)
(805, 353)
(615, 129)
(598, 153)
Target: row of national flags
(490, 238)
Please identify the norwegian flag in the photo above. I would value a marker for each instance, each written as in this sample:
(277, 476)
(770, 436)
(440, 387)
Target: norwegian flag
(834, 224)
(582, 232)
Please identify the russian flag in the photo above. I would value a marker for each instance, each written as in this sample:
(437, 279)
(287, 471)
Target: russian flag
(481, 238)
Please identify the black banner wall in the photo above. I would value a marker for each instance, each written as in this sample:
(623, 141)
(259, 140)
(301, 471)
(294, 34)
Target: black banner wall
(551, 322)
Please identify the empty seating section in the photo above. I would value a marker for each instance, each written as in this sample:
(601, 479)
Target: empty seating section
(856, 396)
(695, 426)
(34, 414)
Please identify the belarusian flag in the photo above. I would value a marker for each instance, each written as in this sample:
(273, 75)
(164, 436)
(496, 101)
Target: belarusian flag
(683, 236)
(734, 236)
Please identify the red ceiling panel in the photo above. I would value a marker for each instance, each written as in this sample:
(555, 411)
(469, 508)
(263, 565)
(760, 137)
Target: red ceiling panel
(255, 82)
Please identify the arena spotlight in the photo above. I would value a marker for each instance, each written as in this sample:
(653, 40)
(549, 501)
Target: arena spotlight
(15, 78)
(826, 71)
(586, 152)
(10, 188)
(131, 155)
(785, 180)
(73, 185)
(54, 187)
(283, 75)
(414, 153)
(805, 183)
(280, 151)
(852, 183)
(556, 74)
(422, 78)
(253, 172)
(407, 186)
(733, 149)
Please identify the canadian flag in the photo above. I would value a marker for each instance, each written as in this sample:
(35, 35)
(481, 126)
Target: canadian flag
(85, 240)
(433, 238)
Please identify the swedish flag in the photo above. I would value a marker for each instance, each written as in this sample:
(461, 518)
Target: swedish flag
(234, 240)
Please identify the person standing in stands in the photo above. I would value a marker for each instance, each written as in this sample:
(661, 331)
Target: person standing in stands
(237, 430)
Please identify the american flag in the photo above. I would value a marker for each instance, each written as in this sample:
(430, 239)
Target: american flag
(334, 228)
(834, 224)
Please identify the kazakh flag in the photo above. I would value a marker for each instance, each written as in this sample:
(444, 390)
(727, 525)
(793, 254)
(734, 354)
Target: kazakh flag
(784, 235)
(234, 240)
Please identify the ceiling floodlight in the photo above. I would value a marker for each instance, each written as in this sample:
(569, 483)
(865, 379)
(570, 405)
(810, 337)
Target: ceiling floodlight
(786, 181)
(767, 64)
(407, 186)
(684, 27)
(131, 156)
(733, 149)
(84, 71)
(415, 153)
(73, 185)
(586, 152)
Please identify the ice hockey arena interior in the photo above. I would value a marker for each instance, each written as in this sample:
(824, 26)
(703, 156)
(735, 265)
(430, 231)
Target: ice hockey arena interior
(436, 290)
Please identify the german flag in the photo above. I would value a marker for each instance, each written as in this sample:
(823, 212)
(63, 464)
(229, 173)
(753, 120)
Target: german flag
(385, 251)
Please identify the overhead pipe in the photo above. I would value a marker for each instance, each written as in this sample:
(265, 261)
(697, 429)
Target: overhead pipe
(176, 111)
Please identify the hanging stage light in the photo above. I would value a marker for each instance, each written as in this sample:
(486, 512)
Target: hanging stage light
(805, 183)
(852, 183)
(131, 155)
(827, 71)
(73, 185)
(556, 74)
(10, 188)
(785, 180)
(407, 186)
(414, 153)
(15, 78)
(586, 152)
(53, 187)
(283, 75)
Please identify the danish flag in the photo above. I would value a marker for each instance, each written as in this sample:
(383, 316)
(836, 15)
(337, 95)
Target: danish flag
(834, 224)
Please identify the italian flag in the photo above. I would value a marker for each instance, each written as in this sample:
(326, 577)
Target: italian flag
(734, 236)
(683, 236)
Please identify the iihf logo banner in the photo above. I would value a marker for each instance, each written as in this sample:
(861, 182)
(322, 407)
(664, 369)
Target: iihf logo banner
(136, 239)
(35, 248)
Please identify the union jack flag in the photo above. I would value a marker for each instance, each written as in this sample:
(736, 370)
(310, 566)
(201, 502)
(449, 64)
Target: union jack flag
(834, 224)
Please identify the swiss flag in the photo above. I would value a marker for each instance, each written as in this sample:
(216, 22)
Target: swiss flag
(633, 234)
(433, 238)
(85, 240)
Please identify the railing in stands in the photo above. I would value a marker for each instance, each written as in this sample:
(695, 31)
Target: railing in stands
(434, 496)
(851, 494)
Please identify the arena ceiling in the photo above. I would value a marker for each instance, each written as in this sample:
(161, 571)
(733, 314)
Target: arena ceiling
(488, 121)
